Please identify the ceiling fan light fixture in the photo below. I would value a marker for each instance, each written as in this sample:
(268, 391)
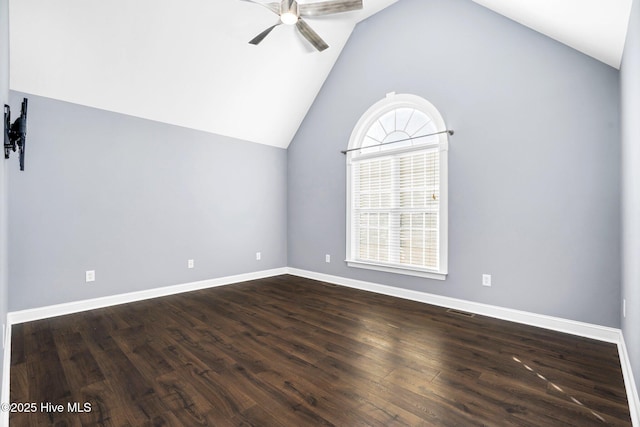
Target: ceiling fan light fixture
(289, 18)
(291, 13)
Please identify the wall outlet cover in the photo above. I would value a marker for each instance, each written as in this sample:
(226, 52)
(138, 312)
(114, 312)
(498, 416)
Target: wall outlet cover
(90, 276)
(486, 280)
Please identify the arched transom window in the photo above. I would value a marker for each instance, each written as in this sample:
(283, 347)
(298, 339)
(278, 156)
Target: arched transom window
(397, 189)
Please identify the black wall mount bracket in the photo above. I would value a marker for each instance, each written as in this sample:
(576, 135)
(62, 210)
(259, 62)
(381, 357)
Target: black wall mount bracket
(15, 135)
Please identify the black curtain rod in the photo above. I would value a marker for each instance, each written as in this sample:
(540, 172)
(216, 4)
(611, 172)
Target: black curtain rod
(449, 131)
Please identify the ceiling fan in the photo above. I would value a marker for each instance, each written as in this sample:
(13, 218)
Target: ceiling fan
(291, 13)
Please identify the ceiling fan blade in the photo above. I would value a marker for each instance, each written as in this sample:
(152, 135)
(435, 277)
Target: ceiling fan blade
(273, 6)
(311, 35)
(257, 39)
(329, 7)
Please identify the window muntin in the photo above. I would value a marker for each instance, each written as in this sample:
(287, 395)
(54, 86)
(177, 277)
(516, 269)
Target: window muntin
(397, 192)
(402, 125)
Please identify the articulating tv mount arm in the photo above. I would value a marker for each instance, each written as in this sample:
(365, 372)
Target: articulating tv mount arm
(15, 135)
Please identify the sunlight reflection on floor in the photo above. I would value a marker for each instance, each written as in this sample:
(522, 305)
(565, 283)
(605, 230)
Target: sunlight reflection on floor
(558, 388)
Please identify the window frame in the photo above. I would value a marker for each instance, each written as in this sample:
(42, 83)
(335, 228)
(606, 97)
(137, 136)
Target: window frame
(391, 102)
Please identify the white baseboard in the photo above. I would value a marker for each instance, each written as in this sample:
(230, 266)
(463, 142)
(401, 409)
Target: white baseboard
(6, 365)
(30, 315)
(573, 327)
(629, 382)
(588, 330)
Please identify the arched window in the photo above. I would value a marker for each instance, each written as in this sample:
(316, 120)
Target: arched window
(397, 189)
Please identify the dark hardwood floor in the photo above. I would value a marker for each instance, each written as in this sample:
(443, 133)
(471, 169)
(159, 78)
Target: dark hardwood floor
(287, 351)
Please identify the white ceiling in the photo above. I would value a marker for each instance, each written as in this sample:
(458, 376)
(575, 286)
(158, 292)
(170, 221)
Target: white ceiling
(597, 28)
(188, 62)
(185, 62)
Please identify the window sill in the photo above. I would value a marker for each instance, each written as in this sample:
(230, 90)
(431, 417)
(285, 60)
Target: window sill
(398, 270)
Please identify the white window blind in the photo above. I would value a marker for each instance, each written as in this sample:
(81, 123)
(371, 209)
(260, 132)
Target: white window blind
(396, 211)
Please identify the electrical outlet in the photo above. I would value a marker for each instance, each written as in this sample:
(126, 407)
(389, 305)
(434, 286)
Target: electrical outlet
(624, 308)
(327, 258)
(190, 263)
(90, 276)
(258, 256)
(486, 280)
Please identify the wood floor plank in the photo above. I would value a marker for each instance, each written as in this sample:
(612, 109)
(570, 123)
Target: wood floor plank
(108, 407)
(287, 351)
(17, 344)
(79, 366)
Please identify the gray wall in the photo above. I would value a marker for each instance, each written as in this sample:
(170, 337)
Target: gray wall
(134, 199)
(4, 98)
(534, 163)
(630, 90)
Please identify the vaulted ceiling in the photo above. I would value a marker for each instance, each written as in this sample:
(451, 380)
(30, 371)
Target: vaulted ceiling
(188, 62)
(597, 28)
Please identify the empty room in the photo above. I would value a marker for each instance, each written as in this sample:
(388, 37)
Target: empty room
(320, 212)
